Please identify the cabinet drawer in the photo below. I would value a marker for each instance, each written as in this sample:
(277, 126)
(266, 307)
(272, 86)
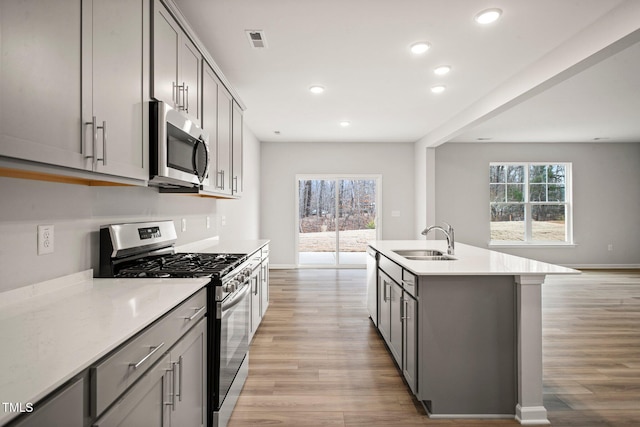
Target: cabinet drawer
(265, 252)
(115, 374)
(392, 269)
(410, 282)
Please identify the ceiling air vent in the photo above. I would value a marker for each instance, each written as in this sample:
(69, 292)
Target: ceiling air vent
(257, 39)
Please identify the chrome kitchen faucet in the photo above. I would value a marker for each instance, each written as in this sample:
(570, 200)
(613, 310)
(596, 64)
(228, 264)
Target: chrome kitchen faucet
(448, 233)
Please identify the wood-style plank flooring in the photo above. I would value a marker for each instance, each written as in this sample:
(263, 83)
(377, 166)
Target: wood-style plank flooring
(317, 360)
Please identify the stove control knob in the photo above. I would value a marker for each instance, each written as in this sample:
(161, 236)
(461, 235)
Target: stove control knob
(247, 272)
(240, 278)
(231, 286)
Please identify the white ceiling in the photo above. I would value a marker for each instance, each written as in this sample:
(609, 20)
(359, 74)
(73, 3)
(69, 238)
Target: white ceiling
(547, 71)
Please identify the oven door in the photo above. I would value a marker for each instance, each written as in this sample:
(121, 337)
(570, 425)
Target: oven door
(233, 344)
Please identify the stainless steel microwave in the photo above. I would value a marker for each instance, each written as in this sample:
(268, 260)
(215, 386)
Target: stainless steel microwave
(179, 148)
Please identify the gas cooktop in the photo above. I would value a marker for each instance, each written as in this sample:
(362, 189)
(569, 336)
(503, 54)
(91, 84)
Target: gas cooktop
(181, 265)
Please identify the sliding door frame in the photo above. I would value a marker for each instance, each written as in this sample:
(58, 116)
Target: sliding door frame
(335, 177)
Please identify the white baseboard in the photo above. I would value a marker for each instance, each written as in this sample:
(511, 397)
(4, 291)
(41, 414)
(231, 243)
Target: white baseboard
(604, 266)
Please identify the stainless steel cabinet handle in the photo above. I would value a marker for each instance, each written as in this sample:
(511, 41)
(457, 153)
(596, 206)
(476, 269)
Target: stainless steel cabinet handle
(235, 184)
(179, 392)
(405, 309)
(186, 97)
(221, 174)
(104, 143)
(172, 402)
(94, 142)
(384, 291)
(175, 94)
(196, 314)
(144, 359)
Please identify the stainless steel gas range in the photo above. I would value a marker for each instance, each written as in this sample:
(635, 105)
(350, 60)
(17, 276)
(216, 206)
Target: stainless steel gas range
(146, 249)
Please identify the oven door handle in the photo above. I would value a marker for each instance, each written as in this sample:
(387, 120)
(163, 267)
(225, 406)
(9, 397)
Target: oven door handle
(236, 298)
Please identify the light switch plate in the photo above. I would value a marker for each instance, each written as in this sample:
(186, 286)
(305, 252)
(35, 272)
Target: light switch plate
(45, 239)
(184, 224)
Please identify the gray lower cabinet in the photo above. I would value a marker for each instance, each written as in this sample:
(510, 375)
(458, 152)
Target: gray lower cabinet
(410, 341)
(256, 315)
(64, 409)
(189, 358)
(147, 404)
(398, 319)
(384, 316)
(264, 283)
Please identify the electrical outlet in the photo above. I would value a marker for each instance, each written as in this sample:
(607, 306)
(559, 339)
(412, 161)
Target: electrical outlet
(610, 247)
(208, 222)
(184, 224)
(45, 239)
(223, 220)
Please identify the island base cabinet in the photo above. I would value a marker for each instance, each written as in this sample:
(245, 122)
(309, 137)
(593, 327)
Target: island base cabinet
(384, 316)
(410, 341)
(467, 348)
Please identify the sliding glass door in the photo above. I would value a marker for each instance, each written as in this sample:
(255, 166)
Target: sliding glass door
(337, 216)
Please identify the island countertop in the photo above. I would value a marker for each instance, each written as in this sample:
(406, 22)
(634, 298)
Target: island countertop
(469, 260)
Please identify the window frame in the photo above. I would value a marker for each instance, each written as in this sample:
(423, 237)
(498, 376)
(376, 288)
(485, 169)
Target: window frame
(528, 205)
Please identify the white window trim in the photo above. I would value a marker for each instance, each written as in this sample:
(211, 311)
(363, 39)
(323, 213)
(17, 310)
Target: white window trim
(528, 243)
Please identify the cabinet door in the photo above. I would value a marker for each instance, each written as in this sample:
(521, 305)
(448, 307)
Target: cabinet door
(410, 342)
(224, 178)
(255, 303)
(190, 365)
(166, 45)
(384, 316)
(147, 404)
(264, 287)
(210, 85)
(40, 89)
(189, 81)
(395, 343)
(64, 409)
(236, 142)
(115, 78)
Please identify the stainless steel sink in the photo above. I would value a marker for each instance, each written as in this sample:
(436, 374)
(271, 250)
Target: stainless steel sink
(424, 255)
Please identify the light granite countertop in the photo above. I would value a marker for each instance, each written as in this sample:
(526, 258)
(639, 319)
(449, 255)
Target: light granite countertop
(469, 260)
(54, 330)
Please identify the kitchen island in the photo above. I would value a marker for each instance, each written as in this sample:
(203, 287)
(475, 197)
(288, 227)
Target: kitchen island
(465, 329)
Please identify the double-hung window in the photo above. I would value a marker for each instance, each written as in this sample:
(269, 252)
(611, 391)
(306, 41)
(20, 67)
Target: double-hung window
(530, 203)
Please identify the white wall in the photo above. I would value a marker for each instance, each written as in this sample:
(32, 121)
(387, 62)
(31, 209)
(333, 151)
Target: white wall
(282, 161)
(606, 197)
(77, 212)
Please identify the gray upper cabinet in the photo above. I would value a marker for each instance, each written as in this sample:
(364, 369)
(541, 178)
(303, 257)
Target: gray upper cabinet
(210, 84)
(176, 65)
(64, 63)
(236, 142)
(115, 74)
(40, 54)
(224, 178)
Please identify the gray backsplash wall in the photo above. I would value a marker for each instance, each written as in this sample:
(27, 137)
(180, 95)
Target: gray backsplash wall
(77, 212)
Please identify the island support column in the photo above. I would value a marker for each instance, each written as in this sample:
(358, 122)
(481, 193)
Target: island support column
(530, 409)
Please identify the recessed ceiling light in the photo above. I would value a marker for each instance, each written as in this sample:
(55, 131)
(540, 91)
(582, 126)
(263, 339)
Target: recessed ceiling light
(442, 70)
(316, 89)
(438, 89)
(420, 47)
(488, 16)
(345, 123)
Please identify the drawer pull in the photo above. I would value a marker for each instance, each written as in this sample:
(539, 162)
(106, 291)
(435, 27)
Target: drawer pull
(144, 359)
(196, 314)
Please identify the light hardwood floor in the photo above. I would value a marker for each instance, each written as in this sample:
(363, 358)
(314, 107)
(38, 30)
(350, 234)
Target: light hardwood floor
(317, 360)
